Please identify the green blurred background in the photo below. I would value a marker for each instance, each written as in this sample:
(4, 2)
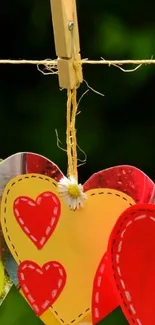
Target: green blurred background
(115, 129)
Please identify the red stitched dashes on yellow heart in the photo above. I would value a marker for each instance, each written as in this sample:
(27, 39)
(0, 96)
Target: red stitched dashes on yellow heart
(41, 286)
(38, 219)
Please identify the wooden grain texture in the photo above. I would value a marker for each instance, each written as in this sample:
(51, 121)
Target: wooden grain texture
(69, 5)
(67, 44)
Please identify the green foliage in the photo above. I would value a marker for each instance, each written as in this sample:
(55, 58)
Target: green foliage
(16, 311)
(1, 278)
(115, 318)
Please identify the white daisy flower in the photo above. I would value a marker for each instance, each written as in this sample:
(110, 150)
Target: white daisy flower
(71, 192)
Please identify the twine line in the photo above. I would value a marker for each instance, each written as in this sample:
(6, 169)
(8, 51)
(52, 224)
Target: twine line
(71, 139)
(71, 133)
(53, 63)
(50, 67)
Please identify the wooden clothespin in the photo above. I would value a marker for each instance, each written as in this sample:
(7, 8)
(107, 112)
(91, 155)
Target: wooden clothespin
(67, 45)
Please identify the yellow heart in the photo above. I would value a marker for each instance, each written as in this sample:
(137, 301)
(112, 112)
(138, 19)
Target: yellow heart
(78, 242)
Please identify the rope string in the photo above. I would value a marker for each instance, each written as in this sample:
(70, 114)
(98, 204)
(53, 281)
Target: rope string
(71, 133)
(71, 139)
(53, 63)
(72, 106)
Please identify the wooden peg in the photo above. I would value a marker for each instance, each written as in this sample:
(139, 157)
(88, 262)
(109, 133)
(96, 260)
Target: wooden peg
(67, 45)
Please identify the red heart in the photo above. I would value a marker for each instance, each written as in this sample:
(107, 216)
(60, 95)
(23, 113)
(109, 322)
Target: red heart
(139, 186)
(104, 299)
(131, 253)
(127, 179)
(41, 285)
(38, 219)
(40, 165)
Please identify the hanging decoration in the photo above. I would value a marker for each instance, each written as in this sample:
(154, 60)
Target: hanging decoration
(76, 252)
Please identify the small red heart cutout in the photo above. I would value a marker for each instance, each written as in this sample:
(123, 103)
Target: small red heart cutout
(38, 219)
(41, 285)
(131, 252)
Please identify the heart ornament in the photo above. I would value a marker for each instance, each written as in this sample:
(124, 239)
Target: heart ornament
(57, 250)
(59, 254)
(131, 255)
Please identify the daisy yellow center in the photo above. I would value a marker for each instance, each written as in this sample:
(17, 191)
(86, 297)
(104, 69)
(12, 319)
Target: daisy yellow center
(73, 190)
